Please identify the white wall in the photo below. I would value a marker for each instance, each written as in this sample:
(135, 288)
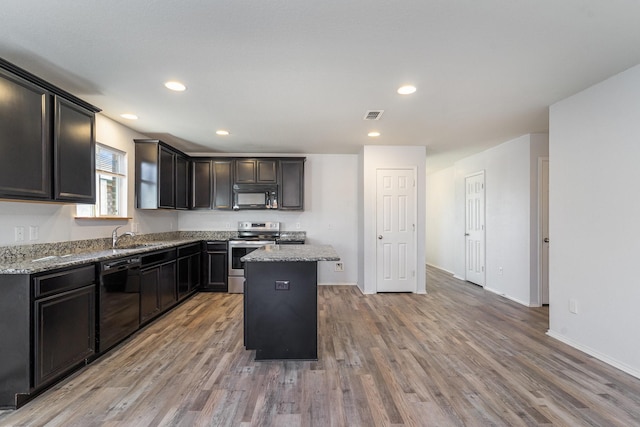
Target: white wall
(373, 158)
(440, 222)
(511, 219)
(330, 215)
(594, 226)
(56, 222)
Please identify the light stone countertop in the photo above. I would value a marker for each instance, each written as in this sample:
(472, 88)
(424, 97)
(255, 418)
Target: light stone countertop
(51, 262)
(30, 259)
(295, 253)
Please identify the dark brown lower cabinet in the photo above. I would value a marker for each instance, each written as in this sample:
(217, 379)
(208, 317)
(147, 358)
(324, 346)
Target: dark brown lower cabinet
(47, 329)
(157, 283)
(48, 320)
(149, 304)
(64, 332)
(167, 286)
(157, 290)
(215, 270)
(189, 274)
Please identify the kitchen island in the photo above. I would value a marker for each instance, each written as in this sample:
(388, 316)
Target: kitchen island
(281, 300)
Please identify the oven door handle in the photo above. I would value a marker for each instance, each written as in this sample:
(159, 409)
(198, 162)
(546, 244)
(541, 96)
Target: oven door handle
(250, 244)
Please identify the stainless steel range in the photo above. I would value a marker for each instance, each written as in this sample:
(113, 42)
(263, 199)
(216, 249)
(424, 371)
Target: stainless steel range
(251, 236)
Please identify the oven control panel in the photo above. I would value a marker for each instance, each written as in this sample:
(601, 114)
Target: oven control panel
(259, 226)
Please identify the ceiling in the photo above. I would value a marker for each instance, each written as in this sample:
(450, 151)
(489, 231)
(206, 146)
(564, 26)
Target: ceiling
(298, 76)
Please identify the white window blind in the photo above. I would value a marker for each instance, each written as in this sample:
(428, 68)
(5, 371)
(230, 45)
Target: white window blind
(111, 185)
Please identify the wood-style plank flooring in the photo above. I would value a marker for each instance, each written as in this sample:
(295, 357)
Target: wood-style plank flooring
(458, 356)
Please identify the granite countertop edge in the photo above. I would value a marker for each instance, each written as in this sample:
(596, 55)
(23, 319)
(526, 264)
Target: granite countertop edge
(293, 253)
(38, 265)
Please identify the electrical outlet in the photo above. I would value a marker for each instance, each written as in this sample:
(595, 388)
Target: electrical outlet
(33, 232)
(500, 271)
(339, 266)
(573, 306)
(298, 225)
(19, 232)
(134, 227)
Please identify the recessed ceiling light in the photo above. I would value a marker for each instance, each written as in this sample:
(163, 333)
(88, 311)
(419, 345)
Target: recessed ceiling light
(222, 132)
(129, 116)
(373, 134)
(406, 90)
(176, 86)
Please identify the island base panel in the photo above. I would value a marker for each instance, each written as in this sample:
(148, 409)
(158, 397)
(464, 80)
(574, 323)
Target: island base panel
(281, 322)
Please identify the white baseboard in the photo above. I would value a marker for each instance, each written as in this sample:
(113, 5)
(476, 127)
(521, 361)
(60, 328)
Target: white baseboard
(337, 284)
(503, 295)
(591, 352)
(441, 269)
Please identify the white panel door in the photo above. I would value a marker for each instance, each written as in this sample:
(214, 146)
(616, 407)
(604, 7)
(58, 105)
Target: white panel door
(396, 230)
(474, 229)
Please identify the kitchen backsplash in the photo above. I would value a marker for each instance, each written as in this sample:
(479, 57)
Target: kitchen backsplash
(18, 252)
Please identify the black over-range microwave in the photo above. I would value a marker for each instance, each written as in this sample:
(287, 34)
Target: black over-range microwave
(255, 196)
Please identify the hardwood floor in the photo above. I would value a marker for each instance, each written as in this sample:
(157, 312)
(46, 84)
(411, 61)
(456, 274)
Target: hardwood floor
(458, 356)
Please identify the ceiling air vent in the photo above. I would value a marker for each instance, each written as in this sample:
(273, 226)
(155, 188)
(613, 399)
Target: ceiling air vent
(373, 114)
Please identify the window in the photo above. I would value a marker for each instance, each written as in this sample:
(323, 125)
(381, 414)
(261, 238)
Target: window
(111, 185)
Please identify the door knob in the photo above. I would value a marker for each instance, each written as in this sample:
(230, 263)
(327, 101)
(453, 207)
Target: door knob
(546, 240)
(380, 237)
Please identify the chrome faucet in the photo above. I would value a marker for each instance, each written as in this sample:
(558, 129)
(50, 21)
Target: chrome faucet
(115, 237)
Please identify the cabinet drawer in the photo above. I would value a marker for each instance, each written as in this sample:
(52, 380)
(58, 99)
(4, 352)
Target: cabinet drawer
(63, 281)
(158, 257)
(188, 250)
(216, 246)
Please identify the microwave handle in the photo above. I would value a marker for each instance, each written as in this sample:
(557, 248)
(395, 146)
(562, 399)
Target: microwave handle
(235, 202)
(268, 198)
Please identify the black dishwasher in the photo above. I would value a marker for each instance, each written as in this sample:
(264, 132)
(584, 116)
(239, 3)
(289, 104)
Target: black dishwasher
(118, 301)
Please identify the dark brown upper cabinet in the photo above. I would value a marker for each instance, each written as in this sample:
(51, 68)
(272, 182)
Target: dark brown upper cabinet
(201, 184)
(291, 184)
(47, 140)
(25, 146)
(162, 176)
(182, 182)
(222, 184)
(166, 178)
(256, 171)
(212, 180)
(74, 153)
